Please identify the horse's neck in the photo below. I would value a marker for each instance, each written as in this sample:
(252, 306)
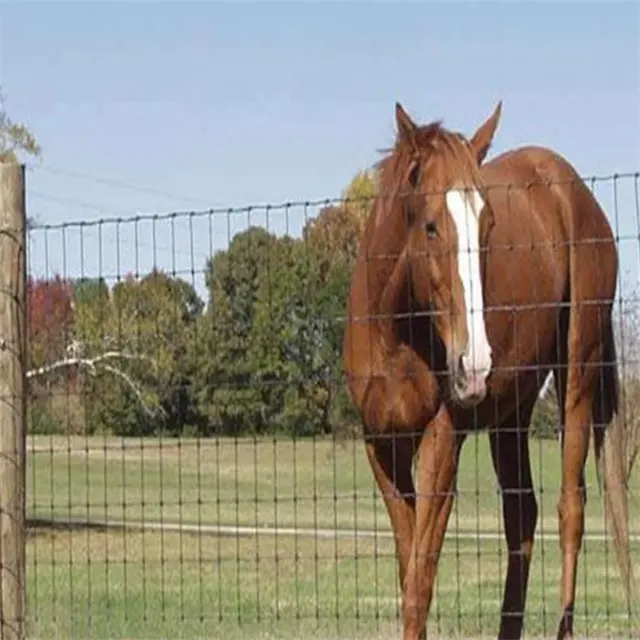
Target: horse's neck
(381, 276)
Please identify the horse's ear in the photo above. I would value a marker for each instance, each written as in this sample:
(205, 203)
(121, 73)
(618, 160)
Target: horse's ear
(483, 137)
(406, 126)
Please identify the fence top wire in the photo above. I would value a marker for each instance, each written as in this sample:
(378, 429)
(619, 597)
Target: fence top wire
(283, 206)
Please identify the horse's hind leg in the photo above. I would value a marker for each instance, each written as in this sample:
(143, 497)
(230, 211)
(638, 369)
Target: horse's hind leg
(571, 505)
(510, 455)
(580, 400)
(391, 457)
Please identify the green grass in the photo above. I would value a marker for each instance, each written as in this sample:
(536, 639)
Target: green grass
(97, 584)
(269, 482)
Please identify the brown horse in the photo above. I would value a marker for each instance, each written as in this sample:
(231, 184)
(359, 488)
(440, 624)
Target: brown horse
(474, 282)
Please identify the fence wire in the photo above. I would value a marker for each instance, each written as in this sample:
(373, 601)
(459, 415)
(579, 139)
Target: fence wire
(196, 467)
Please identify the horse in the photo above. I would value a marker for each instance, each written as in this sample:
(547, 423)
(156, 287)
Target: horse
(475, 281)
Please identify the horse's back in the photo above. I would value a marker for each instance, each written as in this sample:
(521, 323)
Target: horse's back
(553, 187)
(541, 195)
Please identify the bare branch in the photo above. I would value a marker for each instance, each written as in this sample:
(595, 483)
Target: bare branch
(112, 355)
(136, 391)
(91, 364)
(61, 364)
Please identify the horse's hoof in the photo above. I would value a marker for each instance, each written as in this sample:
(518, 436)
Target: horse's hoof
(565, 629)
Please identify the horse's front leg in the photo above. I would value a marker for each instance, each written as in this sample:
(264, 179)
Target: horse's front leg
(391, 457)
(437, 465)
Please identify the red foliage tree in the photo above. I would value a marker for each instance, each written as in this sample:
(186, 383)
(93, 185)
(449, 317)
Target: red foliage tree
(49, 319)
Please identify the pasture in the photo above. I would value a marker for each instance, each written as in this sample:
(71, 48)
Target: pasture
(340, 582)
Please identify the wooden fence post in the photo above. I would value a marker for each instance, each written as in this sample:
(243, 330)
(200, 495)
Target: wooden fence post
(12, 397)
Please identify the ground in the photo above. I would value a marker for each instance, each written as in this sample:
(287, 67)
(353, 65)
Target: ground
(286, 582)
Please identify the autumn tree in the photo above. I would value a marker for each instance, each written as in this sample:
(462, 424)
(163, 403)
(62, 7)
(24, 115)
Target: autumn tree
(334, 234)
(49, 319)
(50, 324)
(359, 195)
(333, 238)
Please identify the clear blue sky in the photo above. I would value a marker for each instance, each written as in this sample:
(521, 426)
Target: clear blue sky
(247, 103)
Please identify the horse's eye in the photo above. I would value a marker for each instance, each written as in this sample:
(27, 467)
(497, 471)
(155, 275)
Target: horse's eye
(413, 174)
(431, 229)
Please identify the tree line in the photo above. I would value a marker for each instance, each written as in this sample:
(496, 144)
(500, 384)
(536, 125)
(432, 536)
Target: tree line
(147, 356)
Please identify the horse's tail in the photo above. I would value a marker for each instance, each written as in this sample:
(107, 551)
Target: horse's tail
(613, 463)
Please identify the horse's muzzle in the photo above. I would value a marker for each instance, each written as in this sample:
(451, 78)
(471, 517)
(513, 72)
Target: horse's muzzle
(469, 386)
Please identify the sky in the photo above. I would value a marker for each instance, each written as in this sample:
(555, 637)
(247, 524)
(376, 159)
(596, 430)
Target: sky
(182, 107)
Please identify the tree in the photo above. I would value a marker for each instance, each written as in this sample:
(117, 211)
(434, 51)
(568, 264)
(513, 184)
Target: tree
(86, 290)
(335, 233)
(296, 342)
(270, 342)
(284, 343)
(332, 239)
(149, 323)
(359, 195)
(228, 388)
(124, 354)
(273, 330)
(49, 318)
(15, 137)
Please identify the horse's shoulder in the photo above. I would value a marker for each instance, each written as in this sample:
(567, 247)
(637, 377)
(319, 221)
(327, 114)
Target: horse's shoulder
(530, 162)
(524, 158)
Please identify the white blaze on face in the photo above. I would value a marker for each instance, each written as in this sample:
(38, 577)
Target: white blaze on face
(465, 206)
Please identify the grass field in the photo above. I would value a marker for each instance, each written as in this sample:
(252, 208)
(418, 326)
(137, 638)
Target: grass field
(123, 584)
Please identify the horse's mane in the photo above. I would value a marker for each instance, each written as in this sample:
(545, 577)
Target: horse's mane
(429, 140)
(392, 166)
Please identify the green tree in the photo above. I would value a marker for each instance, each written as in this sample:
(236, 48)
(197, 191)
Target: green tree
(282, 352)
(15, 137)
(273, 330)
(90, 289)
(297, 342)
(139, 341)
(332, 239)
(229, 390)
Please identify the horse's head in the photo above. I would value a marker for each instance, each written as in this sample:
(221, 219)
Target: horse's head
(441, 195)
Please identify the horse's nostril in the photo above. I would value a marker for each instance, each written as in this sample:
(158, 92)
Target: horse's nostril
(460, 375)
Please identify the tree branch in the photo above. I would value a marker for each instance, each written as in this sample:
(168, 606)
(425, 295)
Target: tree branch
(88, 363)
(91, 365)
(132, 386)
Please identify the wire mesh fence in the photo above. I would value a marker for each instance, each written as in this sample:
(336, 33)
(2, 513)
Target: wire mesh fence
(195, 467)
